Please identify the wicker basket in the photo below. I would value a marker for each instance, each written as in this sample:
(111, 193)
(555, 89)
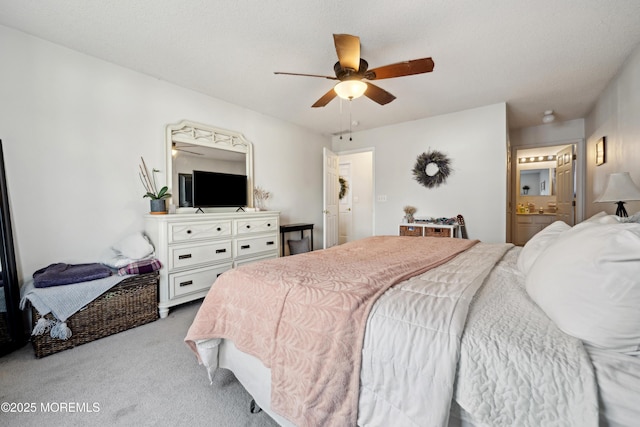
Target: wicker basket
(410, 230)
(437, 232)
(132, 302)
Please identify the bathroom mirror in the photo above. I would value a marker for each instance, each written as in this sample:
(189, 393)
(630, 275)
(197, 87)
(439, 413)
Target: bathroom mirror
(194, 146)
(538, 182)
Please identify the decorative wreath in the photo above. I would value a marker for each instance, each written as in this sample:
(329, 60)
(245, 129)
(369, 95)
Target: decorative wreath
(344, 187)
(431, 169)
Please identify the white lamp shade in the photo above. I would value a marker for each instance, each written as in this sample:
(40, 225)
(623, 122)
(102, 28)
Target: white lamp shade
(619, 188)
(350, 89)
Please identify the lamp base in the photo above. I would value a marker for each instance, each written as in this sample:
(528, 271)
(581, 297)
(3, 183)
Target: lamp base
(621, 211)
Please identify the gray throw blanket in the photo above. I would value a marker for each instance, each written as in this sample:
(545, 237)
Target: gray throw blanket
(62, 302)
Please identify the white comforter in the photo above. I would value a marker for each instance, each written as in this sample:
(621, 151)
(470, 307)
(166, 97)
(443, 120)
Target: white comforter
(515, 368)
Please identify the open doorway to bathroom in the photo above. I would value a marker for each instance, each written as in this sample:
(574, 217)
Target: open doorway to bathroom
(547, 185)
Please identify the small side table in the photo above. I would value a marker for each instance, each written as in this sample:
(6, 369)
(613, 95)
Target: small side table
(295, 227)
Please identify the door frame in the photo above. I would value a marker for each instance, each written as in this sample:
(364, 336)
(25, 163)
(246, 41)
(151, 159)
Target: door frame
(580, 177)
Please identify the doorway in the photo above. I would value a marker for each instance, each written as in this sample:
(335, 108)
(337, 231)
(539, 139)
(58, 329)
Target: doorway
(541, 185)
(356, 211)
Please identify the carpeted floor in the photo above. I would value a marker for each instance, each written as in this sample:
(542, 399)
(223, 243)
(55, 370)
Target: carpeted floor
(145, 376)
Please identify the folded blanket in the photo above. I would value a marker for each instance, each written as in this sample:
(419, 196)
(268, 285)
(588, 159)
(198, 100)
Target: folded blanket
(65, 274)
(141, 267)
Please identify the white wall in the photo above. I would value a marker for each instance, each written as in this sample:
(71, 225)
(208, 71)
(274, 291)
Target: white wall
(74, 128)
(548, 134)
(615, 116)
(476, 142)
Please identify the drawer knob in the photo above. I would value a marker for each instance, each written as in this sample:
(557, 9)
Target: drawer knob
(221, 251)
(270, 243)
(269, 225)
(187, 283)
(218, 229)
(188, 231)
(245, 246)
(248, 226)
(186, 256)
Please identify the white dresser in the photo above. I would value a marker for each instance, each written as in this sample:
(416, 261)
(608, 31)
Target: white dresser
(196, 248)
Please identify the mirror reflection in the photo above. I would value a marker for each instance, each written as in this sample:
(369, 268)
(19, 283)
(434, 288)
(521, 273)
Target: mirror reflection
(188, 157)
(538, 182)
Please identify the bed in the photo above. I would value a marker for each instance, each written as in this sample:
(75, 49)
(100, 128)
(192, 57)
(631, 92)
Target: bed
(446, 333)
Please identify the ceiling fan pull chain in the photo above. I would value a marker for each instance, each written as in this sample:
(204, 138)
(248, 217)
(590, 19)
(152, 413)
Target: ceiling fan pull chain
(350, 121)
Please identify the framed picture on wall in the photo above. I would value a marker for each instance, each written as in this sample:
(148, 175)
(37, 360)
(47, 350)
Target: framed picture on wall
(601, 151)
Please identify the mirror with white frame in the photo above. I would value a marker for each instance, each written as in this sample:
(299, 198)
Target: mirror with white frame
(193, 146)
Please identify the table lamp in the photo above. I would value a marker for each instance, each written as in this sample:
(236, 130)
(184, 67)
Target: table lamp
(620, 188)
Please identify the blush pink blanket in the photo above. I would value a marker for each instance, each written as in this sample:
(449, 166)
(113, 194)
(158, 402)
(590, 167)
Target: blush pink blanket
(304, 317)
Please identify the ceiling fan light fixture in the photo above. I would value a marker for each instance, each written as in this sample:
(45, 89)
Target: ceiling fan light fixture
(350, 89)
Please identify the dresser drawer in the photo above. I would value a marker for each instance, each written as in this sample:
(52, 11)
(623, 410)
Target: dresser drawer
(249, 246)
(194, 280)
(259, 225)
(255, 259)
(188, 255)
(184, 232)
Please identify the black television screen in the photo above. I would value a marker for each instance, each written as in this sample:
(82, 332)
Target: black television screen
(216, 190)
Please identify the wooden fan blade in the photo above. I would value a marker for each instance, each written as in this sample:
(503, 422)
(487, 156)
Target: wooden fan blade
(326, 98)
(348, 50)
(406, 68)
(305, 75)
(378, 94)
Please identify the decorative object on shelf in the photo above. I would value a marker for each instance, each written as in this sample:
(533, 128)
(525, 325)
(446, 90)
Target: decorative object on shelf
(158, 198)
(601, 156)
(344, 187)
(432, 168)
(620, 188)
(261, 196)
(408, 213)
(525, 189)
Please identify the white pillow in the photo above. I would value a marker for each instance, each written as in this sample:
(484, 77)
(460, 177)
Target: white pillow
(136, 247)
(601, 218)
(538, 244)
(588, 283)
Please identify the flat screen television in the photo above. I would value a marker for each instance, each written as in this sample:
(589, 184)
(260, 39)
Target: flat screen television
(217, 190)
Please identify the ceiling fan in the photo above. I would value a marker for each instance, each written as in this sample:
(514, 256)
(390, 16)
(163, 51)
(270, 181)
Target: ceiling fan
(351, 70)
(174, 148)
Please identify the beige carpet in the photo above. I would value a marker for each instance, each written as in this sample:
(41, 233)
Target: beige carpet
(145, 376)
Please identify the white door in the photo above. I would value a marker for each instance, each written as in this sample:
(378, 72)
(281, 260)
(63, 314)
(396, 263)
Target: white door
(331, 188)
(345, 215)
(565, 196)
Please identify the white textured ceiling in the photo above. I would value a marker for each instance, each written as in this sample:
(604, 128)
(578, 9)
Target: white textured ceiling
(534, 55)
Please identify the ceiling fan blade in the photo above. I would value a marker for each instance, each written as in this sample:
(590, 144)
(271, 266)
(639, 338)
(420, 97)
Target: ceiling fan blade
(348, 50)
(378, 94)
(325, 99)
(175, 147)
(400, 69)
(305, 75)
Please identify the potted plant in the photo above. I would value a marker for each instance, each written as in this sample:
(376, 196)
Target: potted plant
(158, 198)
(408, 213)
